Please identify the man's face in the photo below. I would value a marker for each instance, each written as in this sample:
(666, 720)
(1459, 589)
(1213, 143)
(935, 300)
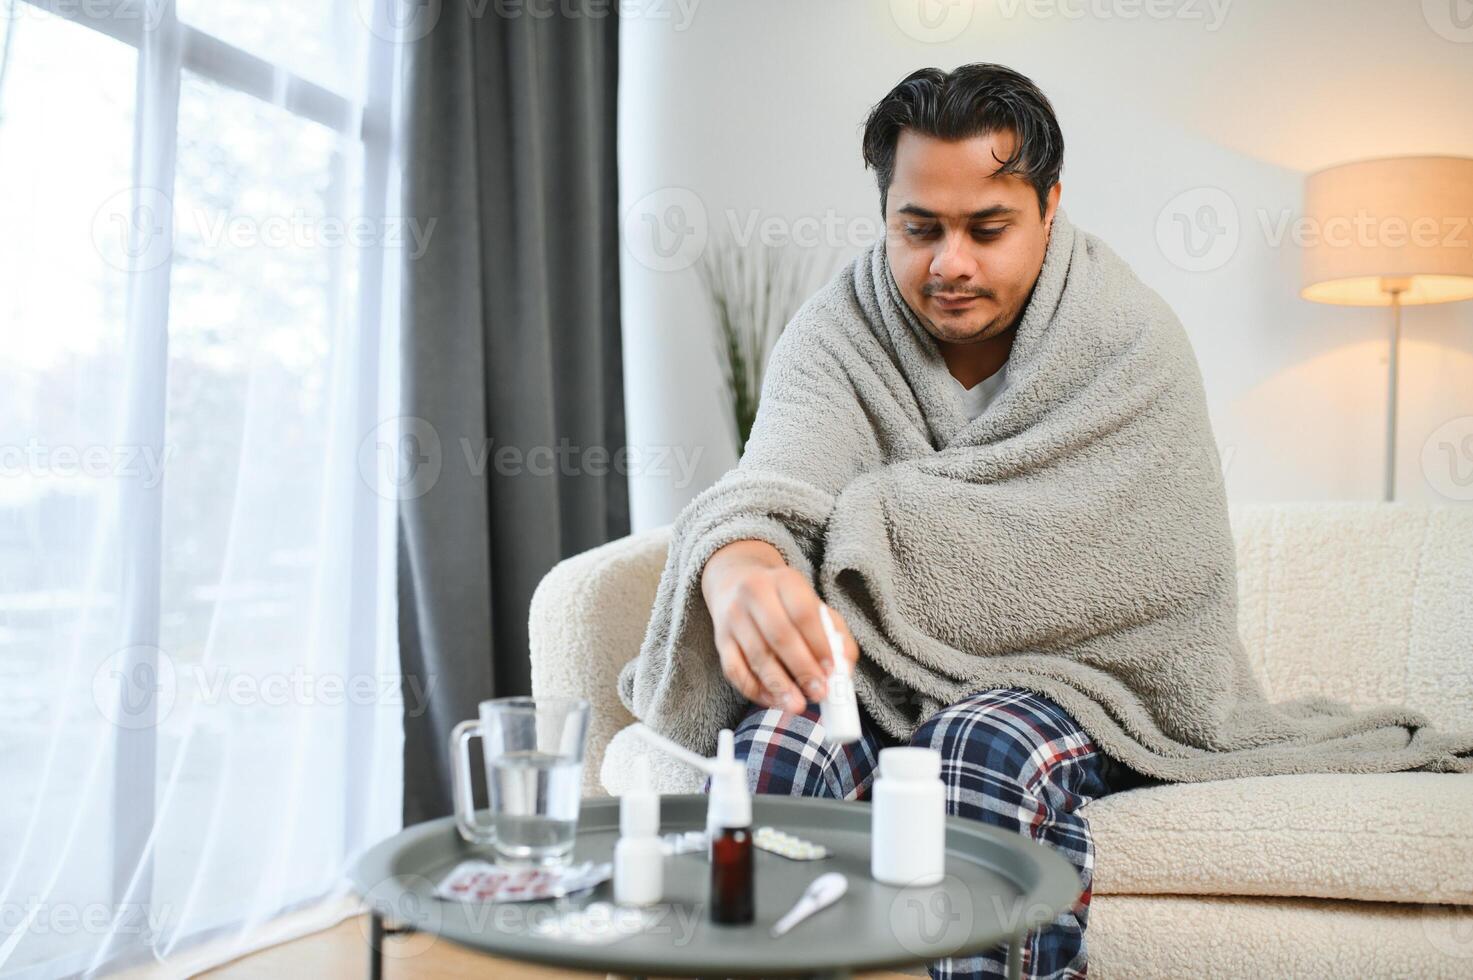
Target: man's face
(965, 247)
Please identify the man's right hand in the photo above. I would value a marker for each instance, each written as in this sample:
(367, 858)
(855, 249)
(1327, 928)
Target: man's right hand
(772, 643)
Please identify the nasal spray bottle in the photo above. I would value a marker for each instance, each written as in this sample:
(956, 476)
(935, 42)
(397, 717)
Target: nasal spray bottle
(638, 860)
(838, 712)
(728, 826)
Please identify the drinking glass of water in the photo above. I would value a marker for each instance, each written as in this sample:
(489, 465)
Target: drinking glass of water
(533, 749)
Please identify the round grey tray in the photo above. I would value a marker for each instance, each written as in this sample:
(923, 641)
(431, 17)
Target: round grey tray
(998, 885)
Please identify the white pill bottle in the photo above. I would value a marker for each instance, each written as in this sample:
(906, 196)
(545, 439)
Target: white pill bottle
(908, 823)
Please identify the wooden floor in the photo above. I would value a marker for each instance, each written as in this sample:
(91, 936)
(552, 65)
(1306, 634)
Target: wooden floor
(341, 953)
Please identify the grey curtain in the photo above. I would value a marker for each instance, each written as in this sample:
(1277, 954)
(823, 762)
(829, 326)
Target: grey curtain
(512, 366)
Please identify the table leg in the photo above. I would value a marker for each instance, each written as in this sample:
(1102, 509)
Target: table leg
(375, 946)
(377, 933)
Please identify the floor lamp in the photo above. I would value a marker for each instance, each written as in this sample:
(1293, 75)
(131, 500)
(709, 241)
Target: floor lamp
(1391, 232)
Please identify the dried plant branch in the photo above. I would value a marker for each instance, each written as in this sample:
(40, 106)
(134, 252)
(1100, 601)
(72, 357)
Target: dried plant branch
(754, 291)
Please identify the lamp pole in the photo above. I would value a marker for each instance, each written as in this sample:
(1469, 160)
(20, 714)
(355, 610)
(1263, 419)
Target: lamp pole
(1394, 286)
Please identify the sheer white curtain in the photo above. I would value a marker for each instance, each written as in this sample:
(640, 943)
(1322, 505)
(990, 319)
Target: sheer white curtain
(200, 711)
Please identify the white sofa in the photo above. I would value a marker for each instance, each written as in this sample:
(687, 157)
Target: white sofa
(1305, 876)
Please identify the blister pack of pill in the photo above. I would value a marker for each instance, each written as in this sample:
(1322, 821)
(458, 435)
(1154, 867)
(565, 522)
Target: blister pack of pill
(778, 842)
(689, 842)
(482, 881)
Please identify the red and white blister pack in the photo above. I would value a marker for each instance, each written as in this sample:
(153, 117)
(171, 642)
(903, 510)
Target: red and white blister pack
(482, 881)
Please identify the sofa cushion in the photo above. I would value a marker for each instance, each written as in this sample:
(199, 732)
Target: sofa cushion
(1365, 603)
(1400, 837)
(1164, 937)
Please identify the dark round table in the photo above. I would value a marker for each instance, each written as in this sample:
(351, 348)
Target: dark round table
(998, 886)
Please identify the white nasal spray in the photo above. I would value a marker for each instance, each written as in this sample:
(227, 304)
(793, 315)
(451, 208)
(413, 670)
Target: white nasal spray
(730, 802)
(839, 713)
(638, 859)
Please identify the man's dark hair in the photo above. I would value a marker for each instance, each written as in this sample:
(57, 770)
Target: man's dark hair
(972, 100)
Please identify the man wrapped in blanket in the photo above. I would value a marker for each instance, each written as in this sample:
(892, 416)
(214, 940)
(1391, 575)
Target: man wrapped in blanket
(985, 446)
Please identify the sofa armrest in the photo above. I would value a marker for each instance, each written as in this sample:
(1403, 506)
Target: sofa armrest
(587, 619)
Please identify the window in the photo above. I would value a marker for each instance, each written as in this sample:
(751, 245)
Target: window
(199, 707)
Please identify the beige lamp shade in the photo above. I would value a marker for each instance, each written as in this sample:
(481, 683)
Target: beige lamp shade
(1401, 223)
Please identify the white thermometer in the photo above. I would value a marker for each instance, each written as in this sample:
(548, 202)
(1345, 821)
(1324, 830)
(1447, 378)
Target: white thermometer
(825, 890)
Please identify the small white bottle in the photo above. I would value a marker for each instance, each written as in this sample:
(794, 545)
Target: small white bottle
(908, 818)
(639, 862)
(839, 711)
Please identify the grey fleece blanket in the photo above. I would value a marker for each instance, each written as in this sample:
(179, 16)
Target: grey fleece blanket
(1072, 540)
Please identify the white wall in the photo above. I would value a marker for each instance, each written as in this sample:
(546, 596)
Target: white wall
(732, 110)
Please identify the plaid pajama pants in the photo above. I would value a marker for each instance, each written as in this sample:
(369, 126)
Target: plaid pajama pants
(1009, 757)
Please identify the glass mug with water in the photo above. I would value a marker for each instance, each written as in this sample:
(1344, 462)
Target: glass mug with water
(533, 749)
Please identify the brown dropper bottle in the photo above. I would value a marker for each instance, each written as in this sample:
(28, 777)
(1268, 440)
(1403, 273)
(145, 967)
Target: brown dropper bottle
(729, 825)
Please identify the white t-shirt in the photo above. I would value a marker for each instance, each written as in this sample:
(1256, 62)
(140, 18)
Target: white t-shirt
(974, 400)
